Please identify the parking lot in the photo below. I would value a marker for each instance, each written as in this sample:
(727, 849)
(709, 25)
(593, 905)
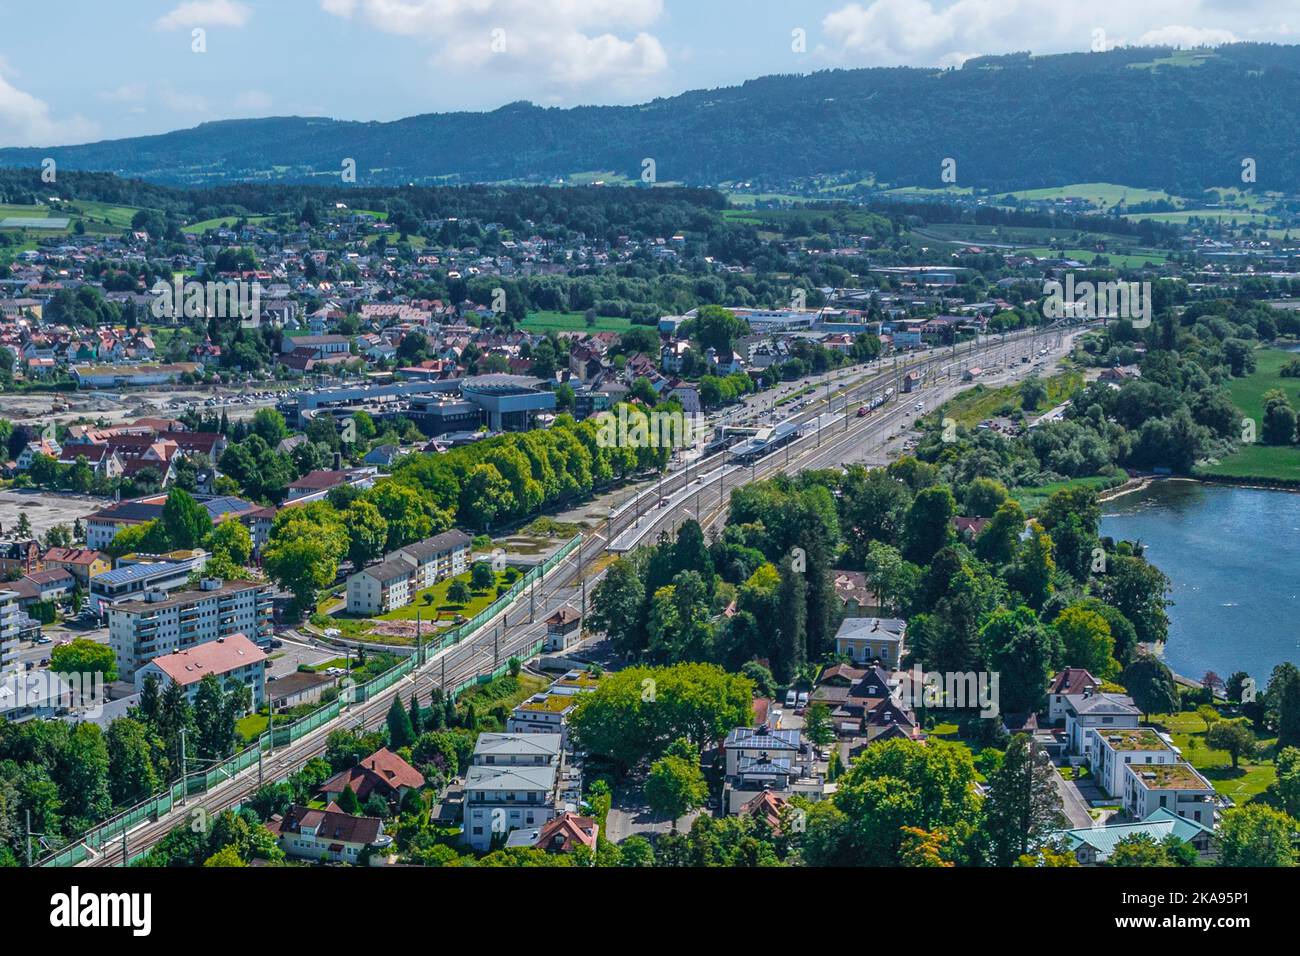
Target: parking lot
(45, 510)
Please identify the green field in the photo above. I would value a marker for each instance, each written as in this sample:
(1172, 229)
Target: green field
(1031, 499)
(1251, 778)
(224, 222)
(1240, 216)
(573, 322)
(1101, 195)
(434, 600)
(1269, 462)
(976, 404)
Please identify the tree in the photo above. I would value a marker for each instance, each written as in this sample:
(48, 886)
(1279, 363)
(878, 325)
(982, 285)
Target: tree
(348, 801)
(674, 787)
(131, 773)
(817, 724)
(1288, 779)
(231, 541)
(1139, 849)
(458, 592)
(303, 554)
(1234, 736)
(1022, 808)
(635, 713)
(215, 713)
(895, 784)
(481, 576)
(616, 604)
(1032, 393)
(1086, 642)
(929, 524)
(1256, 835)
(1282, 703)
(1151, 685)
(1208, 714)
(84, 656)
(1279, 419)
(367, 532)
(1022, 651)
(185, 522)
(400, 731)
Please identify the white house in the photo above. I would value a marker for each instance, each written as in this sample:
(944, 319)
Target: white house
(330, 835)
(1177, 787)
(1113, 750)
(499, 799)
(1088, 711)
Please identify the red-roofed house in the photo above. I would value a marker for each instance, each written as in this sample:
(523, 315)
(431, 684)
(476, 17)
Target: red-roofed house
(383, 772)
(235, 661)
(1070, 681)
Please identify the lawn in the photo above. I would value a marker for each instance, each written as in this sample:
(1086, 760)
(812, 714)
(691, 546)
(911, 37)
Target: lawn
(1031, 499)
(198, 228)
(1251, 778)
(434, 599)
(1100, 195)
(574, 322)
(976, 404)
(251, 727)
(505, 691)
(1258, 460)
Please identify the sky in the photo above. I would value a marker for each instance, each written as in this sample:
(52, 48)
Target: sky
(74, 71)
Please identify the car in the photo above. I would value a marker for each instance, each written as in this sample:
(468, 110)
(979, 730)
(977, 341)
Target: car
(920, 406)
(663, 502)
(43, 640)
(791, 697)
(276, 642)
(44, 662)
(803, 699)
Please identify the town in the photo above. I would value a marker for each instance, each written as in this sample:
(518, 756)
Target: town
(356, 517)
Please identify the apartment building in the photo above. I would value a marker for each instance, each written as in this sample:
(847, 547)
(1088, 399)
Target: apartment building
(139, 631)
(1176, 787)
(511, 784)
(235, 661)
(1113, 750)
(394, 582)
(10, 616)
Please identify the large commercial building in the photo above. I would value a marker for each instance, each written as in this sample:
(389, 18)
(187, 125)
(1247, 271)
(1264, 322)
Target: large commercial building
(139, 631)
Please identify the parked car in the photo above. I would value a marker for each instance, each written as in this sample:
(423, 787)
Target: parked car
(791, 697)
(803, 699)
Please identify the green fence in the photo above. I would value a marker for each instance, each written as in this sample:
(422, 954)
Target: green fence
(201, 782)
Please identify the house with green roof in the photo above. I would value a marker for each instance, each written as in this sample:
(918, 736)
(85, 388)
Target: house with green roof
(1094, 845)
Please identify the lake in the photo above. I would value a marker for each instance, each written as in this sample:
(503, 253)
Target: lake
(1233, 555)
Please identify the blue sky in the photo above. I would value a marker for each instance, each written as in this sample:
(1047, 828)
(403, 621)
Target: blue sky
(79, 70)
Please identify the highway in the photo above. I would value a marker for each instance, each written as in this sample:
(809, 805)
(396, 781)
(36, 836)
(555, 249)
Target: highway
(705, 484)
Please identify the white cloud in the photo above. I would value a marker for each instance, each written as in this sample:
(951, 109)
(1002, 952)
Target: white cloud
(25, 120)
(205, 13)
(939, 33)
(565, 44)
(1181, 36)
(253, 101)
(126, 93)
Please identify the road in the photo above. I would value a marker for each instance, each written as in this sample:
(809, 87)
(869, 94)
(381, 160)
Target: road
(521, 625)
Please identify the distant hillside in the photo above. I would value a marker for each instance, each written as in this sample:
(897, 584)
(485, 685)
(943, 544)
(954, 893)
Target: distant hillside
(1178, 121)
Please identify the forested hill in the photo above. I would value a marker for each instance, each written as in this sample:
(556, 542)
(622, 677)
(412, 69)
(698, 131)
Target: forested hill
(1180, 121)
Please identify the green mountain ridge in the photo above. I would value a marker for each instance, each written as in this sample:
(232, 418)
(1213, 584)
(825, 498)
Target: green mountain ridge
(1181, 121)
